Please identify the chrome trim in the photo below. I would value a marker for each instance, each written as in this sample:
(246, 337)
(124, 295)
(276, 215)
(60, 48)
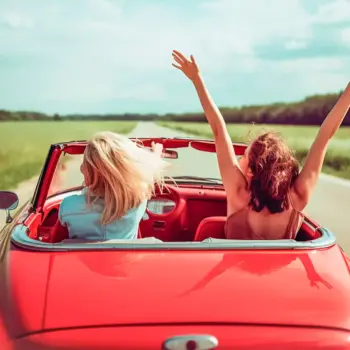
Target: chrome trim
(200, 342)
(20, 238)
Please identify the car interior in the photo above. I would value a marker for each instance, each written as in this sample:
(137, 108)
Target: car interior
(184, 211)
(181, 213)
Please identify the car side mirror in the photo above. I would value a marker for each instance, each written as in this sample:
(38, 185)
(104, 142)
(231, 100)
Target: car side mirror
(8, 201)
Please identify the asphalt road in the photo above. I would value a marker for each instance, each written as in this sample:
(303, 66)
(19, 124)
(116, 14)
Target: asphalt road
(330, 203)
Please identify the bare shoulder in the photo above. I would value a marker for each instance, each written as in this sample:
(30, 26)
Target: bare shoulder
(239, 201)
(299, 202)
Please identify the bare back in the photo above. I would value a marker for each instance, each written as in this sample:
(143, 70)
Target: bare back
(248, 224)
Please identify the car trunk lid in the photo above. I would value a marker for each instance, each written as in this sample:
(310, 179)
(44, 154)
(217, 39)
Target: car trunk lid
(308, 288)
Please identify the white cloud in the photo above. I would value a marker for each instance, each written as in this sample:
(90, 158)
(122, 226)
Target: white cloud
(305, 77)
(15, 20)
(99, 50)
(260, 20)
(321, 64)
(295, 44)
(345, 36)
(334, 11)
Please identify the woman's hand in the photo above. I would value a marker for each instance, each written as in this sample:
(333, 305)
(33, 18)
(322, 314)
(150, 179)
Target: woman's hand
(188, 67)
(157, 148)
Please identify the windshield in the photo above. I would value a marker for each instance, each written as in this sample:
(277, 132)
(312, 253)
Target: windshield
(191, 166)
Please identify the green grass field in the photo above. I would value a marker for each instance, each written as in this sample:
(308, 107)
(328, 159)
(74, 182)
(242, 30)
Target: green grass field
(24, 145)
(337, 160)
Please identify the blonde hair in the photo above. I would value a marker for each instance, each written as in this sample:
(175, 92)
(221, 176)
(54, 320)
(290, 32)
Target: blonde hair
(121, 172)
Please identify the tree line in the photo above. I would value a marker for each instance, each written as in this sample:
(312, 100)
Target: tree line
(310, 111)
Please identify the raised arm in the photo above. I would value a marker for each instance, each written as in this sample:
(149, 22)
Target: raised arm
(307, 179)
(231, 174)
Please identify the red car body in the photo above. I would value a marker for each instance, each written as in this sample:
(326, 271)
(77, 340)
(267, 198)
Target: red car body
(182, 293)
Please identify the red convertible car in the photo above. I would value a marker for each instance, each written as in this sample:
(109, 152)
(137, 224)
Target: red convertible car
(180, 285)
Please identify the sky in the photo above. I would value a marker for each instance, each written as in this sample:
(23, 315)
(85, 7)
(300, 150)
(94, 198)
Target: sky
(114, 56)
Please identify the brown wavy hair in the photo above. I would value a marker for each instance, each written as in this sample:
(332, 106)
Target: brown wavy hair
(274, 169)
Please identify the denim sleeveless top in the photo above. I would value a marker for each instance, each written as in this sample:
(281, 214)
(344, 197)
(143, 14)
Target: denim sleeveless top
(83, 221)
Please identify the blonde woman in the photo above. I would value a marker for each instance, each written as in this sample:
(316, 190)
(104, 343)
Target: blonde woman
(119, 178)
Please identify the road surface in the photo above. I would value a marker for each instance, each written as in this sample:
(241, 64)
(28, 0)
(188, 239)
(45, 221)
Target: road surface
(330, 203)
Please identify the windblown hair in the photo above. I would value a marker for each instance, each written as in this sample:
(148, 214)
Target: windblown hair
(274, 170)
(120, 172)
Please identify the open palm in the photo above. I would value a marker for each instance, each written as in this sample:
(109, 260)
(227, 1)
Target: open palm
(189, 67)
